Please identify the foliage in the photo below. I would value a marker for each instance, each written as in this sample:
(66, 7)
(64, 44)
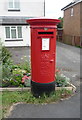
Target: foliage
(25, 65)
(10, 98)
(79, 46)
(26, 79)
(15, 73)
(12, 74)
(60, 25)
(6, 55)
(0, 53)
(0, 63)
(18, 75)
(6, 66)
(6, 73)
(62, 80)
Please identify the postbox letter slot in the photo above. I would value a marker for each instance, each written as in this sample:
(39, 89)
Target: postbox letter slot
(45, 33)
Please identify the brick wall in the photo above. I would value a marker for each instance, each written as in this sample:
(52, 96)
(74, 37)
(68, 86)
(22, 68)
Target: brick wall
(71, 30)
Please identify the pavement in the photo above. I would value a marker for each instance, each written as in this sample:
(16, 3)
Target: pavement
(64, 109)
(19, 54)
(68, 61)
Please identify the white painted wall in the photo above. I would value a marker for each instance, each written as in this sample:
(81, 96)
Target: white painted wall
(25, 34)
(28, 8)
(2, 34)
(31, 8)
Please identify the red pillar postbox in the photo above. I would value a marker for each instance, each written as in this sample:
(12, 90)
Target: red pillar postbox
(43, 54)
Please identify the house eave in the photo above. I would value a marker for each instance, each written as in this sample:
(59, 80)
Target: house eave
(72, 4)
(13, 20)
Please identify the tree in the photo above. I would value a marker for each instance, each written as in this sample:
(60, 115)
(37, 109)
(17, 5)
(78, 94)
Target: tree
(60, 25)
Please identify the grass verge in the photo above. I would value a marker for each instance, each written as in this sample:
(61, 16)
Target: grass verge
(79, 46)
(10, 98)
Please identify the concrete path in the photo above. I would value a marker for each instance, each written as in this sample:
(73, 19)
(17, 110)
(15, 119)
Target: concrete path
(68, 60)
(20, 54)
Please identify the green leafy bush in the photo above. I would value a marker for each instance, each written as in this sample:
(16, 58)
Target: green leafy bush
(25, 65)
(6, 55)
(62, 80)
(17, 75)
(6, 66)
(16, 80)
(6, 73)
(12, 74)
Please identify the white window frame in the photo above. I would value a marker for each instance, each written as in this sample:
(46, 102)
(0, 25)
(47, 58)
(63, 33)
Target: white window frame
(11, 34)
(72, 11)
(13, 8)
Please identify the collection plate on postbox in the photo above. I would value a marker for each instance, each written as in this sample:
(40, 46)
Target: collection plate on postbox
(45, 43)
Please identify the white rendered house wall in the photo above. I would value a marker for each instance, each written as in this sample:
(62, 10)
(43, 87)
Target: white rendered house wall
(28, 8)
(25, 38)
(31, 8)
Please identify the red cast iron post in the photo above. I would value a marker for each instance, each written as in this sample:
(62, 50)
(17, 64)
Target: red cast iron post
(43, 55)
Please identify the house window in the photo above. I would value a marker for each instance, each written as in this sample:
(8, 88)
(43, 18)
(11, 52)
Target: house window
(72, 11)
(13, 32)
(14, 5)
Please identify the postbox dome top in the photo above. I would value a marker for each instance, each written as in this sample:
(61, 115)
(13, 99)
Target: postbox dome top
(43, 21)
